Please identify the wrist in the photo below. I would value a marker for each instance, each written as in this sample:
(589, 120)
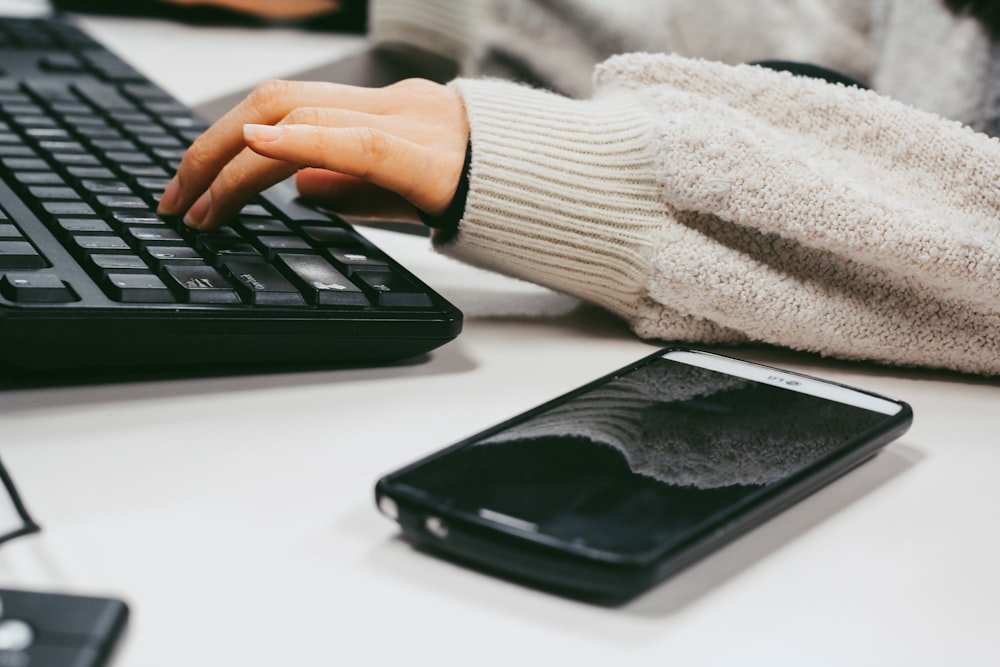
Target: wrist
(446, 223)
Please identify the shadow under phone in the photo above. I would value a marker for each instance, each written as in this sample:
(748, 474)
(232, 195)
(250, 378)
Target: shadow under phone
(695, 582)
(676, 593)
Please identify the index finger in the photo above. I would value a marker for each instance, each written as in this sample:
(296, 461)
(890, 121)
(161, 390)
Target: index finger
(267, 104)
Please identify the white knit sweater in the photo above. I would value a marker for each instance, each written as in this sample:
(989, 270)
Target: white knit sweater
(713, 203)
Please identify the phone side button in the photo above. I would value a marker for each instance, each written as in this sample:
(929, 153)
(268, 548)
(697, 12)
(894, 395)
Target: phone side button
(389, 507)
(436, 527)
(15, 635)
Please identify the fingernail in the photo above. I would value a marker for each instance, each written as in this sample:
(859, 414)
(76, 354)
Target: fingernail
(252, 132)
(168, 200)
(196, 214)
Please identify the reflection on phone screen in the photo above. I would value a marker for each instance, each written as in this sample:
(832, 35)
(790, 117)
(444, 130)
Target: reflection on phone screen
(643, 461)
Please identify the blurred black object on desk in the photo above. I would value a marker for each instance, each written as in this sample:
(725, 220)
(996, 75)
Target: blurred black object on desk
(348, 16)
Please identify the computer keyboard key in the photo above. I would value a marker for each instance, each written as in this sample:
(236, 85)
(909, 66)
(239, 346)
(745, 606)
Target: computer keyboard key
(165, 108)
(106, 187)
(225, 247)
(129, 157)
(81, 118)
(53, 146)
(117, 263)
(220, 234)
(391, 289)
(29, 178)
(321, 283)
(90, 172)
(113, 144)
(179, 121)
(76, 159)
(97, 131)
(161, 234)
(52, 91)
(119, 202)
(200, 284)
(147, 91)
(331, 236)
(67, 108)
(261, 283)
(169, 154)
(68, 208)
(138, 288)
(264, 226)
(141, 124)
(35, 287)
(135, 217)
(137, 170)
(103, 96)
(81, 225)
(161, 141)
(10, 150)
(99, 243)
(62, 62)
(164, 255)
(38, 121)
(350, 261)
(274, 245)
(53, 192)
(24, 164)
(152, 184)
(255, 211)
(20, 255)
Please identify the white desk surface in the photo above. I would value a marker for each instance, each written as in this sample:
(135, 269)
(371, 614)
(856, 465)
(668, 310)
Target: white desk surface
(235, 514)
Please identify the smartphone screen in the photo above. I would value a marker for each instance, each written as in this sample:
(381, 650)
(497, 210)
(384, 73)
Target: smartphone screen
(640, 463)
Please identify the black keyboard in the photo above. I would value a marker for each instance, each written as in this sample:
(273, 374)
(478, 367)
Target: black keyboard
(90, 276)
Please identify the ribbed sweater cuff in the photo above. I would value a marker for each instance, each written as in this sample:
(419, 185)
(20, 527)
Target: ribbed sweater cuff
(561, 192)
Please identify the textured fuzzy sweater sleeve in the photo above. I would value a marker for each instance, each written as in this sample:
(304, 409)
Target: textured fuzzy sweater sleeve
(705, 202)
(451, 28)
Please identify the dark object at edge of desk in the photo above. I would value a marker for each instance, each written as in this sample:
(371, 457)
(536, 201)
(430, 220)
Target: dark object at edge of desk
(54, 629)
(352, 18)
(377, 66)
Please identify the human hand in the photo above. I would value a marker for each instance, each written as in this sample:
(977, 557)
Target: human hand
(284, 10)
(406, 140)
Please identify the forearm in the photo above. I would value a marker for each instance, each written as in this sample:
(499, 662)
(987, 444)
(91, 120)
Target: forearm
(739, 204)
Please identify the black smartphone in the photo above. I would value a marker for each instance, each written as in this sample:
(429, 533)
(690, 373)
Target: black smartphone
(601, 493)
